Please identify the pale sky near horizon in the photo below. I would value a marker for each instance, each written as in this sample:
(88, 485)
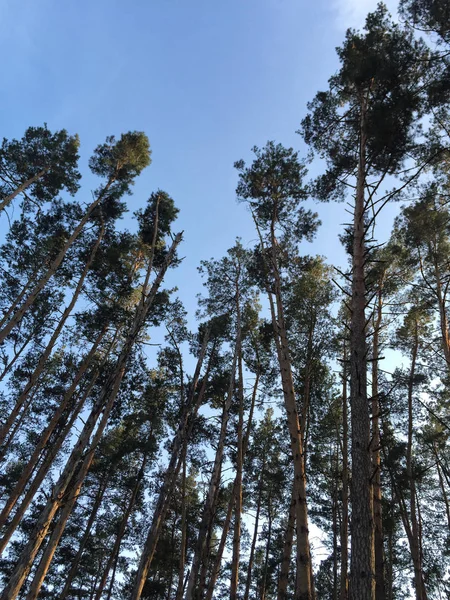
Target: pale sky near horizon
(206, 80)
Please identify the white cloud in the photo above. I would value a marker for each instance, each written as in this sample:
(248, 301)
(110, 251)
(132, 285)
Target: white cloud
(352, 13)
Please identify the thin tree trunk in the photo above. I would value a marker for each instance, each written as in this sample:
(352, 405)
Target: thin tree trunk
(6, 200)
(46, 434)
(344, 526)
(269, 541)
(255, 536)
(443, 321)
(123, 523)
(166, 491)
(51, 343)
(238, 479)
(87, 532)
(6, 330)
(376, 459)
(287, 549)
(16, 356)
(414, 532)
(183, 544)
(362, 581)
(216, 567)
(104, 403)
(193, 592)
(442, 485)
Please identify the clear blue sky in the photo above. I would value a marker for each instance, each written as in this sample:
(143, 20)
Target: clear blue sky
(205, 79)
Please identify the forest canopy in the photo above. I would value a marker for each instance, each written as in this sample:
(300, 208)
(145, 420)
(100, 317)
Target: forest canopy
(301, 402)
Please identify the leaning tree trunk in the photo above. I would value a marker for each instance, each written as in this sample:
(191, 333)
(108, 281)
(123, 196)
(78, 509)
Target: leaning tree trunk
(414, 537)
(19, 313)
(104, 403)
(6, 200)
(34, 377)
(362, 581)
(303, 559)
(53, 448)
(119, 537)
(87, 532)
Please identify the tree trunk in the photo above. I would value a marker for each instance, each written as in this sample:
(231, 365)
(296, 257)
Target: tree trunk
(376, 459)
(269, 541)
(304, 584)
(344, 526)
(238, 479)
(362, 581)
(193, 592)
(414, 531)
(442, 485)
(166, 491)
(6, 330)
(87, 532)
(183, 544)
(255, 536)
(45, 437)
(51, 343)
(123, 523)
(287, 550)
(216, 567)
(104, 403)
(6, 200)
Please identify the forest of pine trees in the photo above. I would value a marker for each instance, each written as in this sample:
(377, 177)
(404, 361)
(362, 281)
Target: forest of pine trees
(307, 402)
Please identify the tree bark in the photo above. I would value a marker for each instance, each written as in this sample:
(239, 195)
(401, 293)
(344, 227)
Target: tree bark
(46, 435)
(19, 313)
(87, 532)
(50, 345)
(6, 200)
(104, 403)
(362, 581)
(380, 593)
(344, 526)
(304, 584)
(287, 550)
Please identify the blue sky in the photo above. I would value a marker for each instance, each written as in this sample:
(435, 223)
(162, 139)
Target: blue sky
(206, 80)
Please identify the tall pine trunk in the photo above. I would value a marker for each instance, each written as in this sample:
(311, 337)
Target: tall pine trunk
(376, 458)
(345, 479)
(283, 579)
(362, 581)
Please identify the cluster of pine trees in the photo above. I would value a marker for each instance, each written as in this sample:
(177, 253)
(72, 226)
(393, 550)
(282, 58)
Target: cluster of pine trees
(306, 395)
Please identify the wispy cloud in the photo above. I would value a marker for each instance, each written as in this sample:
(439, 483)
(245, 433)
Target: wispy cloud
(352, 13)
